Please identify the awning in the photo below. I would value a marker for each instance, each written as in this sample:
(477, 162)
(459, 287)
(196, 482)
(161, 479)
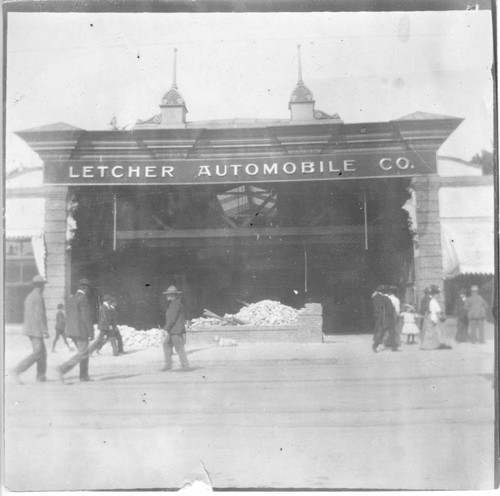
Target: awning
(468, 246)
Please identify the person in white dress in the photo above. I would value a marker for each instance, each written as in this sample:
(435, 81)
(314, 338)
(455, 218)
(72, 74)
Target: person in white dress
(410, 328)
(433, 338)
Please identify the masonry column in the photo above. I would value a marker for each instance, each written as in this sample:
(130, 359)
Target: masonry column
(57, 262)
(428, 254)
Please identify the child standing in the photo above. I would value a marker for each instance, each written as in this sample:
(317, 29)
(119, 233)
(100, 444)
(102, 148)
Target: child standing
(410, 328)
(60, 327)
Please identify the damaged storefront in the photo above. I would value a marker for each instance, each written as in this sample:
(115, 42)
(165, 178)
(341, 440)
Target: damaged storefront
(306, 209)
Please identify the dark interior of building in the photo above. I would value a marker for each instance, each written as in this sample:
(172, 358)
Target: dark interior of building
(330, 242)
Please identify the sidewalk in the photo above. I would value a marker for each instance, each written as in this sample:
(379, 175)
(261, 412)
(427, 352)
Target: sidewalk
(331, 415)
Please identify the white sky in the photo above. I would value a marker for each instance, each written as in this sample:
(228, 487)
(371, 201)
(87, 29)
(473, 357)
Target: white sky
(83, 68)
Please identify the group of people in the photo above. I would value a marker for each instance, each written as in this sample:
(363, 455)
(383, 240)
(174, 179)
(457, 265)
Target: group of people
(77, 324)
(391, 323)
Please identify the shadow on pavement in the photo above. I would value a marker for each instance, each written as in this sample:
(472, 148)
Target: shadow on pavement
(114, 377)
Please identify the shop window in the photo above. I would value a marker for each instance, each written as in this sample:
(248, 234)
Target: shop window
(20, 265)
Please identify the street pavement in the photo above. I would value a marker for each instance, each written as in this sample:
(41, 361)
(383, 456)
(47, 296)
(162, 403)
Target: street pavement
(323, 416)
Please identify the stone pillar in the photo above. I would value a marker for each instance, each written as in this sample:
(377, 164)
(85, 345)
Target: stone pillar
(428, 254)
(57, 261)
(310, 323)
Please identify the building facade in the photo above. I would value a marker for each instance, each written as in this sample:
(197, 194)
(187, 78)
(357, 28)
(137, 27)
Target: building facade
(304, 209)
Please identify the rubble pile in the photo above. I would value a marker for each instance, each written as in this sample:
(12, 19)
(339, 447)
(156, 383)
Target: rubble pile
(268, 312)
(136, 340)
(262, 313)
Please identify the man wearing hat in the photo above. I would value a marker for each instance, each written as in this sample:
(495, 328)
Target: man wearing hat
(476, 313)
(175, 326)
(35, 327)
(80, 329)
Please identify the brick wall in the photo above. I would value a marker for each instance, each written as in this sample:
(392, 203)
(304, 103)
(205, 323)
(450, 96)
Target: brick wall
(56, 262)
(307, 330)
(428, 255)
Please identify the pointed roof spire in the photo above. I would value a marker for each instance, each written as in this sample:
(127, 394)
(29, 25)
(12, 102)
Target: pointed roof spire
(301, 93)
(174, 72)
(172, 97)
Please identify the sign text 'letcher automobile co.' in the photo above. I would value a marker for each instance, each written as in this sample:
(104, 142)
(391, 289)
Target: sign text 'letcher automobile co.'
(200, 171)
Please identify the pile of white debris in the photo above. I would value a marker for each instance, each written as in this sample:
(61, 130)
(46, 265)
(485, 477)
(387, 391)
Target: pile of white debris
(138, 340)
(268, 312)
(262, 313)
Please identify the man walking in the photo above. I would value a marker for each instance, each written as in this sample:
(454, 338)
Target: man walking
(476, 313)
(80, 329)
(35, 327)
(108, 317)
(175, 323)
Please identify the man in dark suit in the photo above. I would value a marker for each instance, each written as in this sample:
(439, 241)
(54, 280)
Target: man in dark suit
(35, 327)
(175, 326)
(80, 329)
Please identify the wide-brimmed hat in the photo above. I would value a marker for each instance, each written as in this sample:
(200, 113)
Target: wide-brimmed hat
(107, 298)
(434, 289)
(172, 290)
(84, 282)
(474, 288)
(38, 280)
(409, 307)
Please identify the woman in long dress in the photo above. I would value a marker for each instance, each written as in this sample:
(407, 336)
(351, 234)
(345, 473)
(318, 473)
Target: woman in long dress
(432, 330)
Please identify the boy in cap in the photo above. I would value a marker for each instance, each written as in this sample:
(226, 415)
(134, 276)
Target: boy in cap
(81, 330)
(35, 327)
(476, 313)
(175, 324)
